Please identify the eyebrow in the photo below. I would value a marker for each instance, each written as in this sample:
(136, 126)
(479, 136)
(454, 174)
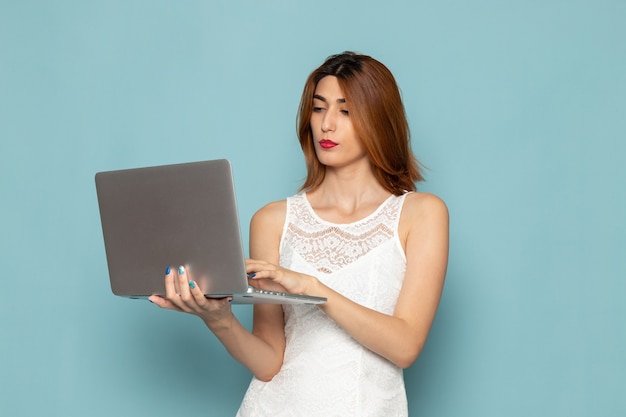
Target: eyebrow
(317, 96)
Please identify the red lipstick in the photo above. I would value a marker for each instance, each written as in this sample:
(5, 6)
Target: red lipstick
(327, 143)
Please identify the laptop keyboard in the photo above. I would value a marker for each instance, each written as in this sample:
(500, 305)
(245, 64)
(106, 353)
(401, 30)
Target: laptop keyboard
(252, 290)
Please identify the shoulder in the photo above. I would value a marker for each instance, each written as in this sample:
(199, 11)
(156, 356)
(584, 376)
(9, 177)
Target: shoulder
(272, 215)
(420, 204)
(266, 227)
(423, 213)
(271, 210)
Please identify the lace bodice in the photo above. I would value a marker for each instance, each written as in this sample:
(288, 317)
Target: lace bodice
(331, 247)
(325, 372)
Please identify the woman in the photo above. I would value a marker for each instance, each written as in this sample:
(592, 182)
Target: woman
(361, 236)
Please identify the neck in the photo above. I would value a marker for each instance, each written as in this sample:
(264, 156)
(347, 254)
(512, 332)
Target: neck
(348, 189)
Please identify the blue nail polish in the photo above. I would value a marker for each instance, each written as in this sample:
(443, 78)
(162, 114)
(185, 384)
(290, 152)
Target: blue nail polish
(192, 284)
(167, 270)
(181, 270)
(252, 275)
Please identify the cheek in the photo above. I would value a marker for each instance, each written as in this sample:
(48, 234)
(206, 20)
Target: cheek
(315, 127)
(315, 119)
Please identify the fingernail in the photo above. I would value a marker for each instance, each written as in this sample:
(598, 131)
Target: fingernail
(192, 284)
(252, 275)
(168, 270)
(181, 270)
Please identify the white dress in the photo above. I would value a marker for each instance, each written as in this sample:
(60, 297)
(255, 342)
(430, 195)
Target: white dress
(325, 372)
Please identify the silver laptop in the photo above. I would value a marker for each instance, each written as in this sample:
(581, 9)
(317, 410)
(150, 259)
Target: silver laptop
(171, 215)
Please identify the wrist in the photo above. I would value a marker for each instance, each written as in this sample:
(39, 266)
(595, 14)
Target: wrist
(314, 287)
(219, 324)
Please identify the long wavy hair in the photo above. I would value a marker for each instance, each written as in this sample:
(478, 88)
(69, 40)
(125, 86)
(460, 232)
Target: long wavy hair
(377, 114)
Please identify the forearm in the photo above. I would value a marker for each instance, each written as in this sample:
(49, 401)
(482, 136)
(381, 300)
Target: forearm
(261, 358)
(390, 337)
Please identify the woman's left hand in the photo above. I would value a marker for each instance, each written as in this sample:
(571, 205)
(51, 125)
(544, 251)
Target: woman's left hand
(266, 276)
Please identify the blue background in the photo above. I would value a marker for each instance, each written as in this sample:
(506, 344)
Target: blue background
(517, 107)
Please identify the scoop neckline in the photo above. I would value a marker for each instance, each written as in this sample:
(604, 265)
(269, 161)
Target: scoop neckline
(310, 208)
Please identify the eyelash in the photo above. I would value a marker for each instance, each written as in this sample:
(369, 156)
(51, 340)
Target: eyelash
(319, 109)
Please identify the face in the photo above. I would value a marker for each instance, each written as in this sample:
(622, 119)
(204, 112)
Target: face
(336, 142)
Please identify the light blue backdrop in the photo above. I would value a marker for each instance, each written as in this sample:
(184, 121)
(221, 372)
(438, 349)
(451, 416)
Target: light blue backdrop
(517, 107)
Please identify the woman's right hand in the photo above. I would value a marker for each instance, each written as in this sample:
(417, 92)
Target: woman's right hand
(215, 312)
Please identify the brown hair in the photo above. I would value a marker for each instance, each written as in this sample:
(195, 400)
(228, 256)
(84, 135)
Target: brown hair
(378, 117)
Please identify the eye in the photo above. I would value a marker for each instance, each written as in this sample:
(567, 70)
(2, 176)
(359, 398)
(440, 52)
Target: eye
(317, 109)
(345, 112)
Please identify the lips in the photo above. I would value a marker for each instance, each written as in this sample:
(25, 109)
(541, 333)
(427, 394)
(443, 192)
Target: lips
(327, 143)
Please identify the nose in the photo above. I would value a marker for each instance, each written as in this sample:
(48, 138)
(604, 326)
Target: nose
(328, 122)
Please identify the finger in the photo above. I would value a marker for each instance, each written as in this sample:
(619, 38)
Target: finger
(250, 268)
(204, 303)
(171, 294)
(253, 267)
(271, 274)
(256, 262)
(170, 287)
(163, 303)
(184, 288)
(197, 294)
